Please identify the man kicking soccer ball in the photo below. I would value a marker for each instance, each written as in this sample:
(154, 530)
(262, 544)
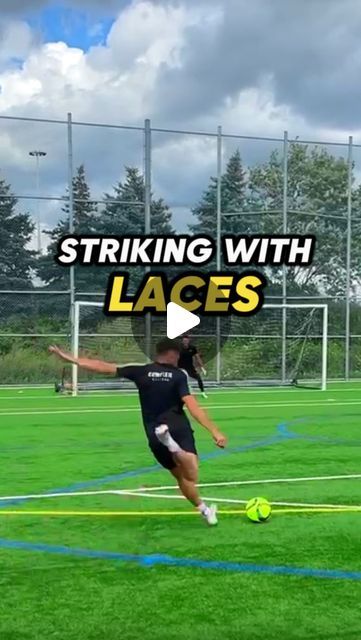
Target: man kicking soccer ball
(163, 391)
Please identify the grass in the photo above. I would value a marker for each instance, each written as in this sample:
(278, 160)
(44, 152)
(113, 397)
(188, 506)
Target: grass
(145, 586)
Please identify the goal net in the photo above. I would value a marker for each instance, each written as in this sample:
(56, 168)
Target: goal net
(280, 345)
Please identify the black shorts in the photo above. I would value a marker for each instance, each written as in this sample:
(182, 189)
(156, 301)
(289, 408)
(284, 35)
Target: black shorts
(182, 432)
(192, 372)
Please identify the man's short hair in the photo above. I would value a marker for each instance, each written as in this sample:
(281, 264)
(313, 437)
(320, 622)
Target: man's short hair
(166, 345)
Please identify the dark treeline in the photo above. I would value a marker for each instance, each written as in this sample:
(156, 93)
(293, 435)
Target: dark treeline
(317, 203)
(252, 202)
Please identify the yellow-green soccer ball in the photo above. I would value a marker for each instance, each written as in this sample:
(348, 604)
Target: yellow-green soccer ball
(258, 510)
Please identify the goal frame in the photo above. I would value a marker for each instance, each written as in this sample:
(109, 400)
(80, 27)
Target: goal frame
(324, 308)
(284, 307)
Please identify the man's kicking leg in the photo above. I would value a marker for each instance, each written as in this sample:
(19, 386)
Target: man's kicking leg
(186, 474)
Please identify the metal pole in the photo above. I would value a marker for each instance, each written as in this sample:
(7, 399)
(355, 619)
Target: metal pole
(348, 258)
(76, 322)
(37, 203)
(147, 217)
(324, 347)
(218, 248)
(37, 155)
(147, 176)
(71, 230)
(284, 268)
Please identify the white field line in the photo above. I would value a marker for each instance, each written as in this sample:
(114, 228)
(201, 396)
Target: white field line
(226, 391)
(235, 483)
(268, 405)
(146, 490)
(237, 501)
(36, 496)
(168, 497)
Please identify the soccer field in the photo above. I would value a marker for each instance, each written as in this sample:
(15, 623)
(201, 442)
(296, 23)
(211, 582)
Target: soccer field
(101, 565)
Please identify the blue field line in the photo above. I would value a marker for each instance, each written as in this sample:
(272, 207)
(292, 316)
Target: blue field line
(170, 561)
(275, 439)
(156, 467)
(81, 447)
(89, 483)
(79, 486)
(284, 431)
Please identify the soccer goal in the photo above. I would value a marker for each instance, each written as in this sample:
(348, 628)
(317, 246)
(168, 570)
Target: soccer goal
(283, 344)
(280, 345)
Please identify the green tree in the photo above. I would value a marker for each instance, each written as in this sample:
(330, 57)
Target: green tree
(124, 213)
(233, 200)
(86, 221)
(316, 204)
(124, 209)
(17, 261)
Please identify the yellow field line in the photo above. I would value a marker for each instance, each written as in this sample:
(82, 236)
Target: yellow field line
(167, 513)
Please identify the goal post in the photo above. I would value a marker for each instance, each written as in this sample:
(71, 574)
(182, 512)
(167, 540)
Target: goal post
(255, 349)
(323, 308)
(106, 338)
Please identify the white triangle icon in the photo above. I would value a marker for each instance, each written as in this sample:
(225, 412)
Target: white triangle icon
(179, 320)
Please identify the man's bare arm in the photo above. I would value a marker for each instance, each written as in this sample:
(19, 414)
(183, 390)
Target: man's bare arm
(199, 414)
(98, 366)
(199, 363)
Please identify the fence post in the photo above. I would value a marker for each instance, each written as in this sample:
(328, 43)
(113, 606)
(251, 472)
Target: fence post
(348, 258)
(218, 247)
(147, 217)
(284, 268)
(71, 225)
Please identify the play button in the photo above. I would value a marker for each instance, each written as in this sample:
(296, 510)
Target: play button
(140, 335)
(179, 320)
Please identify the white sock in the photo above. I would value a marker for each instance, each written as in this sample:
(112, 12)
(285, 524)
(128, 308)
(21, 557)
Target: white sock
(202, 508)
(168, 441)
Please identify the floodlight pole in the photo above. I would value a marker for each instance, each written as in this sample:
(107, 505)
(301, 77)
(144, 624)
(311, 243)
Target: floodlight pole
(37, 155)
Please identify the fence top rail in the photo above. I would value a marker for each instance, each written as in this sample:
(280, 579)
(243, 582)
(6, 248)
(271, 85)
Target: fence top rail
(295, 306)
(105, 200)
(35, 335)
(34, 291)
(103, 125)
(212, 134)
(64, 292)
(86, 303)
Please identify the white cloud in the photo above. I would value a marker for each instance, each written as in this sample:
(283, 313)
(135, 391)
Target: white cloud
(16, 41)
(148, 34)
(184, 65)
(109, 82)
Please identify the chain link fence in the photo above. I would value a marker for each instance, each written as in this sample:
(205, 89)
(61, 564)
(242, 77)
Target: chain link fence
(64, 176)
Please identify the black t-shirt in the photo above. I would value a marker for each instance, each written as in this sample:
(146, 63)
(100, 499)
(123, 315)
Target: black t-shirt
(161, 388)
(186, 357)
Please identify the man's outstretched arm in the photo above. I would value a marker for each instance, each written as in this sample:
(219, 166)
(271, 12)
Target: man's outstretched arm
(98, 366)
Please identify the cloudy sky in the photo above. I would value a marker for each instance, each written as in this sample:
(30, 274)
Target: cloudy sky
(256, 67)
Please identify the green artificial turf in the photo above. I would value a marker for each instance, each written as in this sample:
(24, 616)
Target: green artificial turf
(49, 442)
